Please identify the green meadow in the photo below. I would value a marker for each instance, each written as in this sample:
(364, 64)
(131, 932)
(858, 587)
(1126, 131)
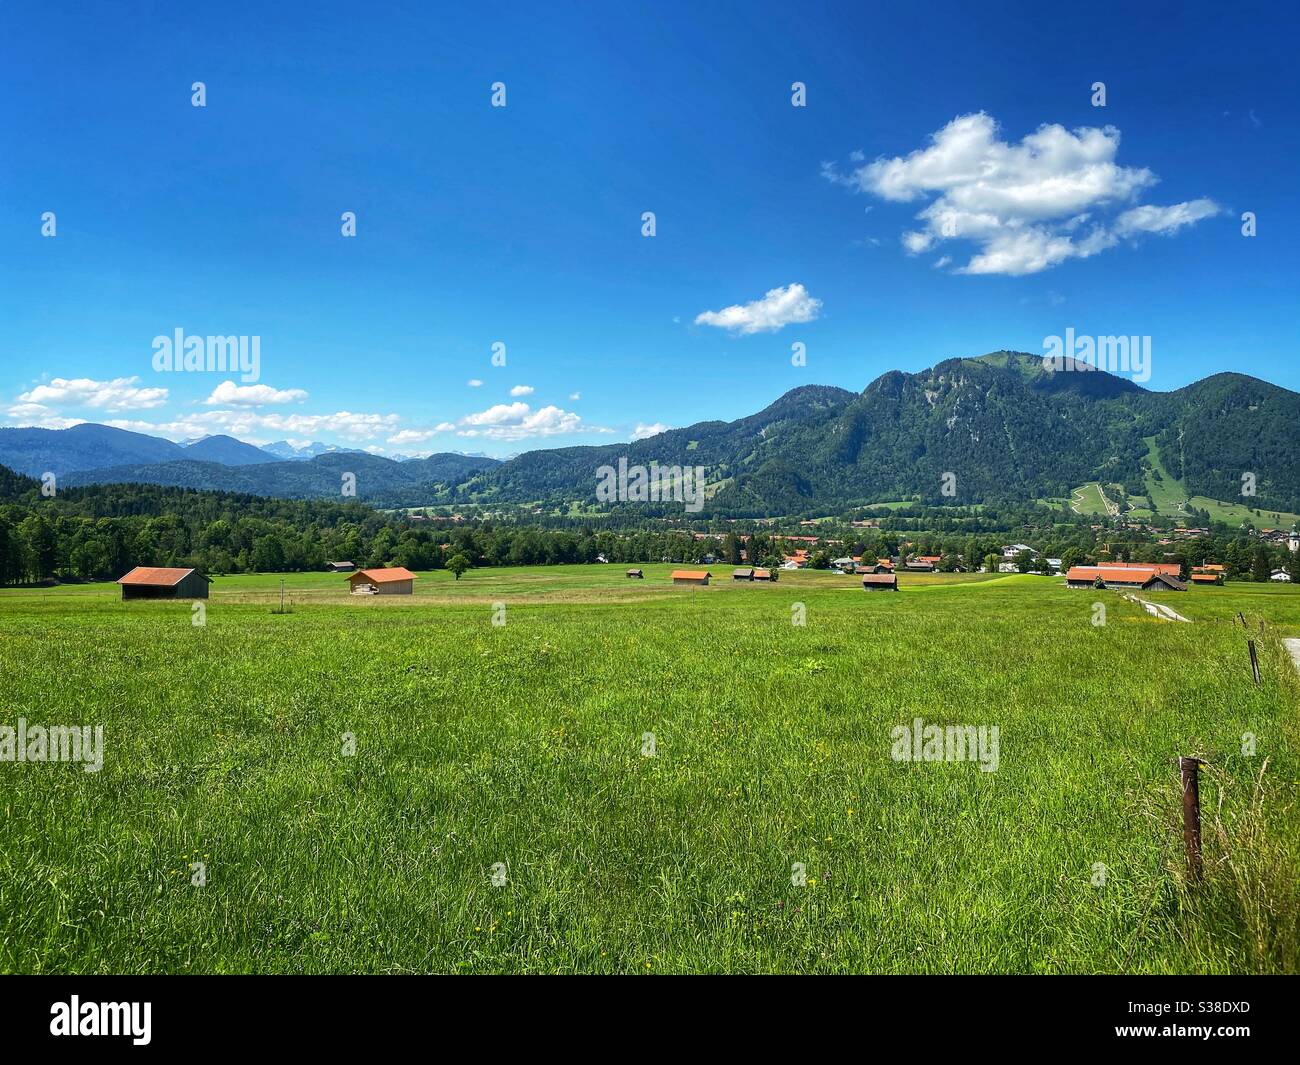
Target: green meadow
(564, 770)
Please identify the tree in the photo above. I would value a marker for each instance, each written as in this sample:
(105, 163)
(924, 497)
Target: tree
(1293, 566)
(458, 564)
(1261, 570)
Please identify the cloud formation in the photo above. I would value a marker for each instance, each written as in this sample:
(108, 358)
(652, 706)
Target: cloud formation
(1026, 207)
(230, 394)
(119, 394)
(778, 308)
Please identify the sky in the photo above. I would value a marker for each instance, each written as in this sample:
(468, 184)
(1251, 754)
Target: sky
(945, 184)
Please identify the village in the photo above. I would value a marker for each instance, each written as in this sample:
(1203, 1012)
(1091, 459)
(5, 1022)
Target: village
(794, 553)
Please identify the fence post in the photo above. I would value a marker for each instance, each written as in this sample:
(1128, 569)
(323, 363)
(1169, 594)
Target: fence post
(1190, 768)
(1254, 660)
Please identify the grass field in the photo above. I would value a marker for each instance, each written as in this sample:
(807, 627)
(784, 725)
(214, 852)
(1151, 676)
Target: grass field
(522, 749)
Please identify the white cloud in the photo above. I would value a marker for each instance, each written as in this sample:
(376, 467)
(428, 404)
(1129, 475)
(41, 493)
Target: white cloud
(474, 382)
(412, 436)
(253, 395)
(253, 426)
(517, 421)
(119, 394)
(522, 390)
(642, 430)
(1164, 220)
(1027, 206)
(575, 396)
(36, 416)
(779, 307)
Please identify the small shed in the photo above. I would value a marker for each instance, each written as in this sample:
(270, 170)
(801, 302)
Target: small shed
(163, 582)
(340, 567)
(391, 580)
(1163, 582)
(636, 573)
(765, 574)
(880, 582)
(743, 574)
(698, 577)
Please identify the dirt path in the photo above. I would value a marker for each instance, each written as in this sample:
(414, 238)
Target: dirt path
(1293, 646)
(1164, 613)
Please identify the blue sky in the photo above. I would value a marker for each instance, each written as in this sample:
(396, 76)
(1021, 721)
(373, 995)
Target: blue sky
(899, 218)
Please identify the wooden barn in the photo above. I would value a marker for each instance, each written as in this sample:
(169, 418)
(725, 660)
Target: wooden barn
(340, 567)
(880, 582)
(637, 574)
(1151, 578)
(394, 580)
(743, 574)
(765, 575)
(161, 582)
(698, 577)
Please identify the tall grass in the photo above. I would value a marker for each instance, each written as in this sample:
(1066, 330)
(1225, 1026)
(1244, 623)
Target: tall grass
(521, 746)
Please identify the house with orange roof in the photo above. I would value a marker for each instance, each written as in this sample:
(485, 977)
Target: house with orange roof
(389, 580)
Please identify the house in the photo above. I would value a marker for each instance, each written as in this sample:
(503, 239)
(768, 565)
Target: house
(1010, 551)
(394, 580)
(1146, 577)
(843, 565)
(880, 582)
(340, 567)
(691, 576)
(636, 573)
(162, 582)
(1054, 565)
(743, 574)
(934, 560)
(1280, 575)
(1171, 569)
(765, 575)
(920, 565)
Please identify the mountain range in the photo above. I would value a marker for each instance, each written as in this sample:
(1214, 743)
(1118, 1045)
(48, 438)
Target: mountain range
(999, 427)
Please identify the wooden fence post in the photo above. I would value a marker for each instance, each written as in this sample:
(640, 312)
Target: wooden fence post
(1190, 769)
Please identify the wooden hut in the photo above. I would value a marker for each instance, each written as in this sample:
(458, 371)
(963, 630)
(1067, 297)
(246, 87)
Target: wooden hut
(393, 580)
(880, 582)
(743, 574)
(162, 582)
(636, 573)
(698, 577)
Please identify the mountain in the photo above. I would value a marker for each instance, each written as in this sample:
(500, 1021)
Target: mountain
(376, 479)
(1004, 427)
(282, 449)
(227, 451)
(82, 447)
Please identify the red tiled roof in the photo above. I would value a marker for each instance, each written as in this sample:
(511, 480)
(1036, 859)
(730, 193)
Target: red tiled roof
(384, 576)
(691, 574)
(160, 576)
(1115, 574)
(1170, 568)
